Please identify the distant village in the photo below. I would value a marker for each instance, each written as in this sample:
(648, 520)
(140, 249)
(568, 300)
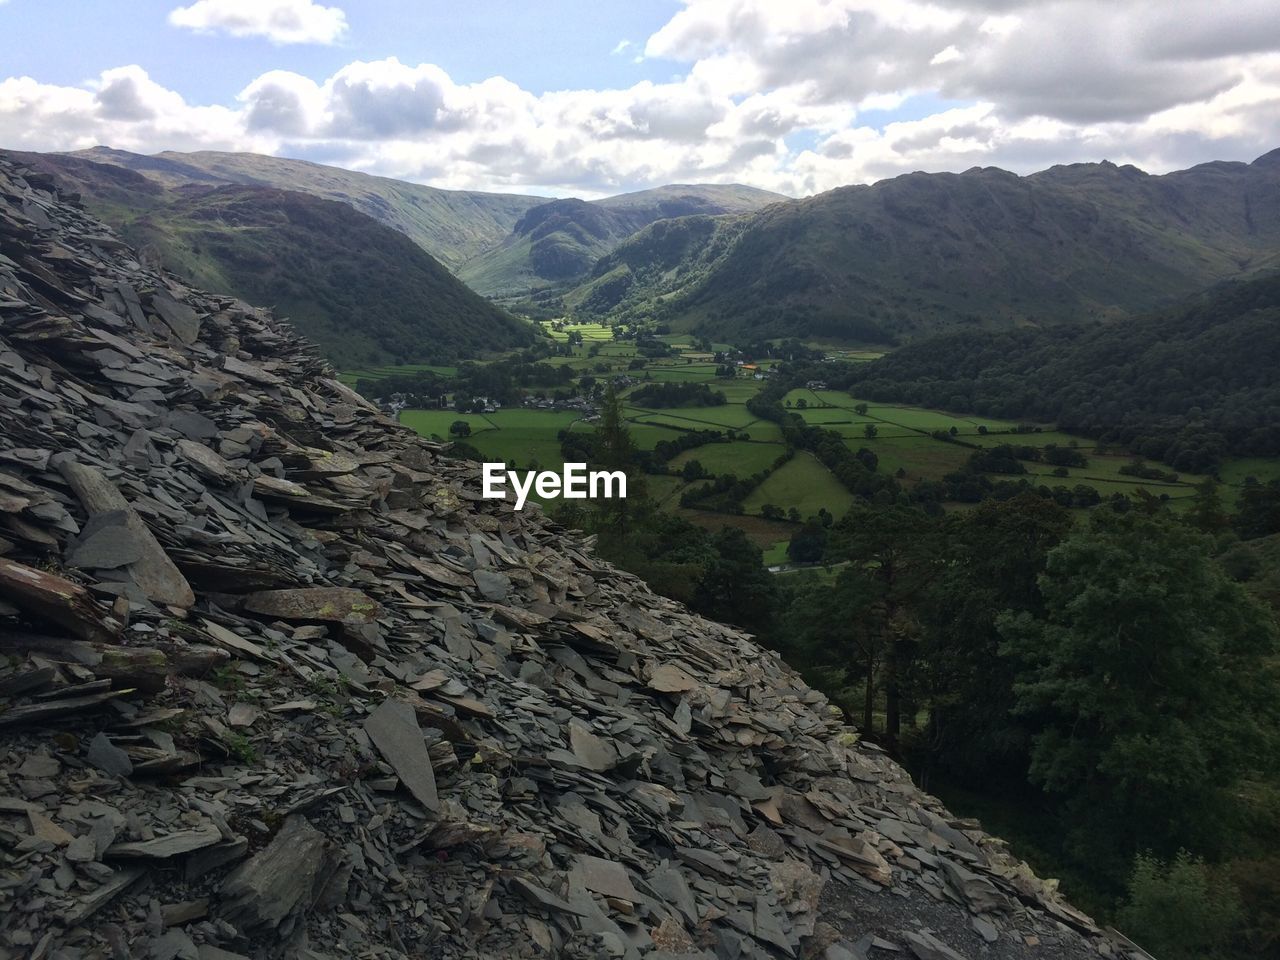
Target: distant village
(585, 405)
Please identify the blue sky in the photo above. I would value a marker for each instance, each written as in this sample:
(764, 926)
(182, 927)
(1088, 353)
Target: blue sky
(544, 45)
(570, 97)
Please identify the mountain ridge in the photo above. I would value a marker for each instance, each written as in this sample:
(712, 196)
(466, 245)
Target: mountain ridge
(363, 291)
(451, 225)
(920, 253)
(558, 242)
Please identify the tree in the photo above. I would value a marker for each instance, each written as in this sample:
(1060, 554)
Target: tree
(1207, 514)
(736, 587)
(1177, 910)
(870, 431)
(613, 449)
(991, 560)
(808, 543)
(860, 409)
(892, 551)
(460, 428)
(693, 470)
(802, 404)
(1150, 681)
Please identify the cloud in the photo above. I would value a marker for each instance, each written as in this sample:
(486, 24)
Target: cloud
(798, 98)
(280, 21)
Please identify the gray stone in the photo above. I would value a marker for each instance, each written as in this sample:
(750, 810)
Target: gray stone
(394, 730)
(109, 758)
(268, 889)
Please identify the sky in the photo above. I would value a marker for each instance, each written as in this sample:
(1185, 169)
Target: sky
(596, 97)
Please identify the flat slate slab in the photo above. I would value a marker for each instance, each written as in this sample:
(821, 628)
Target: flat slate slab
(394, 730)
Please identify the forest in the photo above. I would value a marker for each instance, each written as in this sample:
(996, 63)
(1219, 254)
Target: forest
(1187, 386)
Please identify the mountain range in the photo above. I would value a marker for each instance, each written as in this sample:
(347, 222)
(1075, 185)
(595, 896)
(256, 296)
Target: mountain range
(884, 263)
(363, 291)
(927, 252)
(499, 244)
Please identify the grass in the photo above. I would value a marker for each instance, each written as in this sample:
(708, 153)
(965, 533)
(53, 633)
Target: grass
(923, 458)
(591, 332)
(739, 458)
(352, 377)
(731, 415)
(516, 436)
(776, 554)
(803, 483)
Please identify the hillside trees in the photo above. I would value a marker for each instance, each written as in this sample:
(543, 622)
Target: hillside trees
(892, 559)
(1151, 681)
(991, 560)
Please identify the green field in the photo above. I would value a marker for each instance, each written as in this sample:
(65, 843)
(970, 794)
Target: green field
(802, 483)
(518, 437)
(905, 438)
(776, 554)
(352, 377)
(590, 331)
(740, 458)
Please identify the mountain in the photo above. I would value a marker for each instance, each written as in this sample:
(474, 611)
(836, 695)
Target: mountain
(927, 252)
(364, 292)
(502, 245)
(560, 241)
(279, 681)
(1188, 385)
(451, 225)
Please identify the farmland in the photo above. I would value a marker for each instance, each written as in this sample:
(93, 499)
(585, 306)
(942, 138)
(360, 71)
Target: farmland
(914, 444)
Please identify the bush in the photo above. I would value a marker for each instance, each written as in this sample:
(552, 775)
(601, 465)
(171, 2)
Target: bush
(1177, 911)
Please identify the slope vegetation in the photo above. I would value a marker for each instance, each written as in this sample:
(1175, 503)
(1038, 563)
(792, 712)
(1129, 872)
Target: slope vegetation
(560, 241)
(1187, 385)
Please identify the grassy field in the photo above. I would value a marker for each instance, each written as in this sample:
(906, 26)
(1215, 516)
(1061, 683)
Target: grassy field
(590, 331)
(905, 442)
(352, 377)
(518, 437)
(741, 458)
(803, 483)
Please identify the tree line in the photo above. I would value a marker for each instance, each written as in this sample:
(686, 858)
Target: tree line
(1187, 386)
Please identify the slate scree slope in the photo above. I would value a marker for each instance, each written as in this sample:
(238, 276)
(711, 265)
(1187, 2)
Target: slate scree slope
(276, 681)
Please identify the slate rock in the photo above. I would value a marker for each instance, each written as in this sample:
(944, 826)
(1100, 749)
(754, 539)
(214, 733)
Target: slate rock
(105, 543)
(276, 883)
(394, 730)
(925, 946)
(336, 604)
(109, 758)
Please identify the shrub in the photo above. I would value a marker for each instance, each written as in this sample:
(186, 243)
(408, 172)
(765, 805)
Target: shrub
(1177, 911)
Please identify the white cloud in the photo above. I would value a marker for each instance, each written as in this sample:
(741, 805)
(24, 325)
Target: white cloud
(280, 21)
(773, 96)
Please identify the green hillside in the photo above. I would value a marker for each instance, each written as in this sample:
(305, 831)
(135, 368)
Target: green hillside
(363, 292)
(927, 252)
(1187, 386)
(560, 242)
(452, 225)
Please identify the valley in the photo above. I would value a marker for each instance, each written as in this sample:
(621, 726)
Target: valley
(960, 448)
(918, 446)
(701, 480)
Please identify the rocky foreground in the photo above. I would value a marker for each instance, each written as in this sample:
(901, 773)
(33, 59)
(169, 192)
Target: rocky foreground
(275, 681)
